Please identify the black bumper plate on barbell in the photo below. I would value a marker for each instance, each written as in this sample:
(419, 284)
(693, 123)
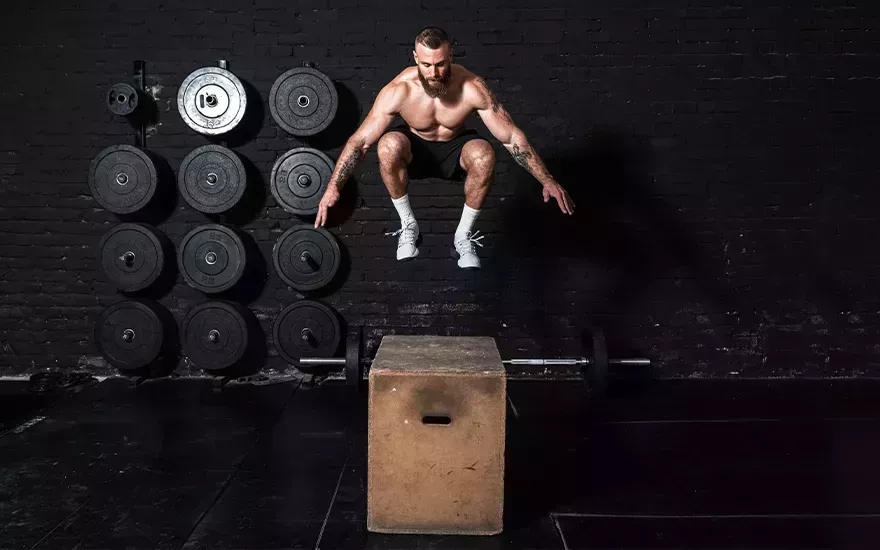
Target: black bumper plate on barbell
(596, 372)
(130, 334)
(306, 329)
(132, 256)
(303, 101)
(122, 179)
(212, 179)
(307, 258)
(299, 179)
(212, 258)
(122, 99)
(216, 335)
(353, 370)
(211, 101)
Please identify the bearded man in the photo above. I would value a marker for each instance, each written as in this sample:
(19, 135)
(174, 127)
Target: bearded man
(434, 99)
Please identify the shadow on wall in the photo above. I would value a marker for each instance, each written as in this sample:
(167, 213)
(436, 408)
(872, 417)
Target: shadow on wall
(344, 124)
(617, 227)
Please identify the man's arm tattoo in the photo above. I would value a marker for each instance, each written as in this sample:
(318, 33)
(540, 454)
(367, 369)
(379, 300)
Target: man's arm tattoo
(522, 158)
(494, 100)
(347, 165)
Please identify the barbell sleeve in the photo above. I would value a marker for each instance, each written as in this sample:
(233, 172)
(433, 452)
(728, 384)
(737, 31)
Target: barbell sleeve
(637, 362)
(315, 361)
(543, 362)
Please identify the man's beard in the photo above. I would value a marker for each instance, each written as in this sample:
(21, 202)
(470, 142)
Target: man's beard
(436, 89)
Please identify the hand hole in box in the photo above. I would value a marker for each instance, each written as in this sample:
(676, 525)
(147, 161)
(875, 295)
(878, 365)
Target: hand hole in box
(436, 420)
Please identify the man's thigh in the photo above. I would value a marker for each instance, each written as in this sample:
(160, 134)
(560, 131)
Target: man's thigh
(449, 156)
(423, 163)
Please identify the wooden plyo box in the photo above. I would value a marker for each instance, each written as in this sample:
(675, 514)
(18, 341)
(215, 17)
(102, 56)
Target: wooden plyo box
(437, 408)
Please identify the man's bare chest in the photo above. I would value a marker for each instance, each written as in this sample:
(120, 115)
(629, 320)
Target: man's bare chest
(432, 114)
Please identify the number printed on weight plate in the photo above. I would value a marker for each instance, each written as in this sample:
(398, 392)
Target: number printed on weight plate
(220, 237)
(207, 280)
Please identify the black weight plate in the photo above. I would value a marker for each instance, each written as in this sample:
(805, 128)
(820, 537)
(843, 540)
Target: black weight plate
(307, 258)
(130, 334)
(131, 256)
(215, 335)
(122, 179)
(597, 370)
(353, 372)
(306, 329)
(303, 101)
(122, 99)
(299, 179)
(212, 258)
(212, 179)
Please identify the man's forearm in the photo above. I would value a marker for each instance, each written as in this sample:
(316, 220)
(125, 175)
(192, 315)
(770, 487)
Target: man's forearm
(526, 156)
(352, 153)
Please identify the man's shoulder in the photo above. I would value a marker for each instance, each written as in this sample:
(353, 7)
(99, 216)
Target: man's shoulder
(474, 88)
(399, 85)
(393, 95)
(407, 75)
(467, 77)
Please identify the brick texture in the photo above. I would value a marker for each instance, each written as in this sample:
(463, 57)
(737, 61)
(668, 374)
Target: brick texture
(718, 153)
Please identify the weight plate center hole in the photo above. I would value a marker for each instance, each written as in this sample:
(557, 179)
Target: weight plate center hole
(122, 179)
(211, 258)
(307, 258)
(214, 335)
(212, 178)
(303, 101)
(128, 335)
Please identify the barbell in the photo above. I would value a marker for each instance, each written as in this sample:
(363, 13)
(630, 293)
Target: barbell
(593, 366)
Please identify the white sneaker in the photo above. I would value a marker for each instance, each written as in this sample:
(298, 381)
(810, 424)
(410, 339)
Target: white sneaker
(467, 254)
(407, 243)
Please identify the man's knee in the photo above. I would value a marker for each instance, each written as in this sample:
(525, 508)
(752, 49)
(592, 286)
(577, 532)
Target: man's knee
(392, 148)
(479, 155)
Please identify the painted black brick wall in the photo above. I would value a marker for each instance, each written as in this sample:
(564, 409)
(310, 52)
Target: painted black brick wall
(722, 155)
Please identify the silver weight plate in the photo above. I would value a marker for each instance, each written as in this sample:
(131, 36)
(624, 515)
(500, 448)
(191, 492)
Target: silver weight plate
(211, 101)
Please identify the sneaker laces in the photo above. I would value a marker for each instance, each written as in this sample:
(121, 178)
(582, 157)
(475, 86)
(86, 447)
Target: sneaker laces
(407, 234)
(466, 245)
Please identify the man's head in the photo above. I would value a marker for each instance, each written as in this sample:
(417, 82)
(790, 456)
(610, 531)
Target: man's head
(433, 57)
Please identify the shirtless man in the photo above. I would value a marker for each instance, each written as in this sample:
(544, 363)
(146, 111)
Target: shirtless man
(434, 98)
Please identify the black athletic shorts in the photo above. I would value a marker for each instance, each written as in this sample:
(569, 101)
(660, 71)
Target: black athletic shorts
(436, 159)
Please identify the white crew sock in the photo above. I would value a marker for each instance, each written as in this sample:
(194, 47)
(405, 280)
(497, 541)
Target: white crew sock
(404, 210)
(468, 217)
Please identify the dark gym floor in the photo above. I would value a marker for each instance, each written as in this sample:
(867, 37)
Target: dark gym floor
(677, 464)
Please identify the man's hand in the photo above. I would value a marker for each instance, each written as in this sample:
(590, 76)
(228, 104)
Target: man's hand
(331, 195)
(556, 191)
